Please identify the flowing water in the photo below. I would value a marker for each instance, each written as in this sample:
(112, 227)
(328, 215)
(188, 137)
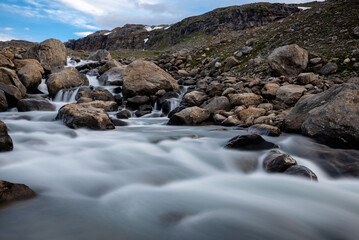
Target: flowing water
(152, 181)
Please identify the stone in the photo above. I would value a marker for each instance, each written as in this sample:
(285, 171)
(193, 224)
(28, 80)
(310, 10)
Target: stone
(218, 103)
(15, 192)
(35, 104)
(277, 162)
(218, 118)
(269, 90)
(264, 129)
(3, 102)
(290, 94)
(100, 56)
(246, 50)
(137, 101)
(113, 76)
(230, 63)
(356, 32)
(190, 116)
(146, 78)
(66, 79)
(6, 62)
(98, 93)
(107, 66)
(5, 140)
(288, 60)
(251, 142)
(231, 121)
(315, 61)
(266, 106)
(80, 116)
(108, 106)
(329, 68)
(301, 171)
(124, 114)
(246, 99)
(118, 122)
(252, 113)
(307, 78)
(51, 54)
(183, 73)
(11, 85)
(30, 73)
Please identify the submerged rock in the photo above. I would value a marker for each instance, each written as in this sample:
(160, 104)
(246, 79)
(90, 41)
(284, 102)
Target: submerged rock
(14, 192)
(276, 161)
(301, 171)
(5, 140)
(251, 142)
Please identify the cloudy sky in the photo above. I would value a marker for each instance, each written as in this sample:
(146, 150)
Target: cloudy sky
(37, 20)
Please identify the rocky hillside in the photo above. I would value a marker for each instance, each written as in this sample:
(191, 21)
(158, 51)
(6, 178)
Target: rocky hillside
(140, 36)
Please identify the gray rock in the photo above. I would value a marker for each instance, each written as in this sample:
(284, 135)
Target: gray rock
(329, 68)
(277, 162)
(290, 94)
(123, 114)
(100, 55)
(356, 32)
(113, 76)
(5, 140)
(218, 103)
(306, 78)
(194, 98)
(190, 116)
(301, 171)
(251, 142)
(14, 192)
(35, 104)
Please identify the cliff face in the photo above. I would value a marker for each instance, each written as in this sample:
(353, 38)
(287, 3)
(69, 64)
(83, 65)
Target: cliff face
(138, 37)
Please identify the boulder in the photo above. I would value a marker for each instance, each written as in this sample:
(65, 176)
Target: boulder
(66, 79)
(35, 104)
(51, 54)
(247, 99)
(137, 101)
(264, 129)
(146, 78)
(276, 161)
(5, 140)
(251, 113)
(3, 102)
(11, 85)
(113, 76)
(108, 106)
(190, 116)
(269, 90)
(30, 73)
(290, 94)
(6, 62)
(249, 143)
(306, 78)
(98, 93)
(100, 56)
(124, 114)
(356, 32)
(329, 68)
(107, 66)
(80, 116)
(218, 103)
(14, 192)
(288, 60)
(301, 171)
(230, 62)
(194, 98)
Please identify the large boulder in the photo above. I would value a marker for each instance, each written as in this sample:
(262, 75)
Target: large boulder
(190, 116)
(107, 66)
(251, 142)
(100, 55)
(113, 76)
(330, 117)
(66, 79)
(14, 192)
(98, 93)
(290, 94)
(146, 78)
(35, 104)
(288, 60)
(108, 106)
(194, 98)
(6, 62)
(217, 104)
(80, 116)
(30, 73)
(11, 85)
(51, 54)
(5, 140)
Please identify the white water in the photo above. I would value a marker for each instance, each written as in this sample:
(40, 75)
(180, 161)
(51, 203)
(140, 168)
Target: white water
(152, 181)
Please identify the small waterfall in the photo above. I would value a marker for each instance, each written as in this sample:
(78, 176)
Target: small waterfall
(66, 95)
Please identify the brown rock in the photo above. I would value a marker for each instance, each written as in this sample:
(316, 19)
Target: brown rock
(218, 103)
(306, 78)
(66, 79)
(290, 94)
(5, 140)
(100, 55)
(270, 90)
(6, 62)
(246, 99)
(251, 113)
(14, 192)
(11, 85)
(230, 62)
(30, 73)
(190, 116)
(194, 98)
(107, 66)
(264, 129)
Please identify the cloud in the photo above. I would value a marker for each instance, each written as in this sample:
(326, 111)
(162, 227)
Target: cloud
(5, 37)
(8, 29)
(83, 34)
(27, 29)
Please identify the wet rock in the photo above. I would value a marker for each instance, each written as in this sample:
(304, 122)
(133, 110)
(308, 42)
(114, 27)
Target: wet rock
(30, 73)
(251, 142)
(5, 140)
(288, 60)
(14, 192)
(190, 116)
(290, 94)
(246, 99)
(80, 116)
(51, 54)
(35, 104)
(264, 129)
(137, 101)
(108, 106)
(301, 171)
(194, 98)
(165, 99)
(306, 78)
(269, 90)
(66, 79)
(3, 102)
(329, 68)
(98, 93)
(176, 110)
(123, 114)
(218, 103)
(276, 161)
(100, 56)
(146, 78)
(113, 76)
(118, 122)
(218, 118)
(230, 63)
(11, 85)
(107, 66)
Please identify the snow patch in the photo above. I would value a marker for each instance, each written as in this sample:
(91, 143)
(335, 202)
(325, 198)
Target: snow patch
(149, 28)
(146, 40)
(108, 33)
